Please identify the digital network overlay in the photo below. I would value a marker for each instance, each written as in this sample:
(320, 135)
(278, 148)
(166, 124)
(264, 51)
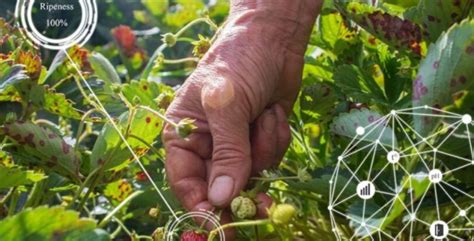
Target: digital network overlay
(414, 181)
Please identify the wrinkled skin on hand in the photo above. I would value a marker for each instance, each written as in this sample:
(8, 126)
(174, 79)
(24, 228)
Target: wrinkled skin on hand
(240, 96)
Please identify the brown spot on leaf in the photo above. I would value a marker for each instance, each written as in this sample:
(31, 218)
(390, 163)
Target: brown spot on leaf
(148, 120)
(470, 49)
(66, 148)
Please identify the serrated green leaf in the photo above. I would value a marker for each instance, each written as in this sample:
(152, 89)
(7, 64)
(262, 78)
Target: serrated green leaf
(46, 145)
(347, 123)
(13, 177)
(317, 101)
(445, 71)
(46, 224)
(109, 149)
(358, 84)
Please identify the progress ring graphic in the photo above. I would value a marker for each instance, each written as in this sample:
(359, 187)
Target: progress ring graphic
(208, 216)
(24, 20)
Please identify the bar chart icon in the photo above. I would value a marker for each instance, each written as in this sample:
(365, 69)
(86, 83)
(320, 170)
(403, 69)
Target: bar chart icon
(365, 190)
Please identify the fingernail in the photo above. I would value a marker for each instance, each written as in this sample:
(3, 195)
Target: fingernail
(269, 121)
(221, 190)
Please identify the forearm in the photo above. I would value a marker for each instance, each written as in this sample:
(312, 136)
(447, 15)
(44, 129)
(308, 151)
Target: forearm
(291, 20)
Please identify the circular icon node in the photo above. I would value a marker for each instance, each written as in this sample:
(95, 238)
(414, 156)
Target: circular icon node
(360, 130)
(393, 157)
(462, 213)
(366, 190)
(435, 176)
(439, 230)
(467, 119)
(24, 17)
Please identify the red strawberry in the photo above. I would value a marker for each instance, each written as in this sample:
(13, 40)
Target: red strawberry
(193, 236)
(141, 176)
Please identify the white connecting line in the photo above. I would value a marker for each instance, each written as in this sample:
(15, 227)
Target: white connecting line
(114, 125)
(370, 228)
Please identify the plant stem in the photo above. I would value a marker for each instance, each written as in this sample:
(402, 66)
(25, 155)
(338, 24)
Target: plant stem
(81, 126)
(180, 61)
(272, 179)
(36, 192)
(109, 216)
(214, 232)
(83, 185)
(7, 196)
(151, 63)
(13, 202)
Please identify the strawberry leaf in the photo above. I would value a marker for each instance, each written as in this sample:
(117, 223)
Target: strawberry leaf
(439, 15)
(445, 71)
(47, 146)
(109, 149)
(57, 103)
(346, 125)
(394, 31)
(45, 224)
(13, 177)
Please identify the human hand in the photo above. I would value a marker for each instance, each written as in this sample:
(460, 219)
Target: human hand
(240, 96)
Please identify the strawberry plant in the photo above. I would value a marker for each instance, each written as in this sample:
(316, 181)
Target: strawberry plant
(73, 125)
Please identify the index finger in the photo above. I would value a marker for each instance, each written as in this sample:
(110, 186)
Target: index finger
(185, 166)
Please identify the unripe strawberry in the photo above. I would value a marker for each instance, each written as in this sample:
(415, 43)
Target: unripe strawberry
(158, 234)
(169, 39)
(282, 213)
(243, 207)
(193, 236)
(185, 127)
(154, 212)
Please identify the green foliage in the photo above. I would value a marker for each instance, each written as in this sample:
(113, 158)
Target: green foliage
(12, 177)
(45, 224)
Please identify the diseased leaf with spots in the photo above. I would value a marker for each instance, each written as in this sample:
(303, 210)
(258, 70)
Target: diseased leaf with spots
(111, 152)
(118, 190)
(57, 103)
(32, 63)
(446, 70)
(439, 15)
(375, 127)
(396, 32)
(46, 224)
(146, 91)
(46, 145)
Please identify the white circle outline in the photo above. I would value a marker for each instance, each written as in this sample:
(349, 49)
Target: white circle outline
(85, 30)
(209, 216)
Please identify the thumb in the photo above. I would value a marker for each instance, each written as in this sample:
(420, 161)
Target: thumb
(229, 126)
